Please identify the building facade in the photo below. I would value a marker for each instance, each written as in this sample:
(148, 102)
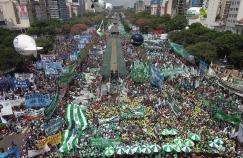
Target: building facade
(155, 7)
(235, 14)
(224, 9)
(139, 6)
(168, 7)
(57, 9)
(182, 6)
(213, 10)
(37, 10)
(14, 14)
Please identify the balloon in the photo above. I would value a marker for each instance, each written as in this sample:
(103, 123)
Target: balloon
(137, 39)
(25, 45)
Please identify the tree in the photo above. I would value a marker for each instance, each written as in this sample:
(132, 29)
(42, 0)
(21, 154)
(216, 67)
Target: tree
(78, 28)
(204, 50)
(236, 58)
(179, 22)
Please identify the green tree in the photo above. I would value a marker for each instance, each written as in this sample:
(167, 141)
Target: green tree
(203, 50)
(236, 58)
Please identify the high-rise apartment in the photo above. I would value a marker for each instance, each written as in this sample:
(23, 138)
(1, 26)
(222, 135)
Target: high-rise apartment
(57, 9)
(235, 15)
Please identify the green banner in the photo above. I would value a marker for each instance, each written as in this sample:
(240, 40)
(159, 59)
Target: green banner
(105, 142)
(52, 107)
(139, 72)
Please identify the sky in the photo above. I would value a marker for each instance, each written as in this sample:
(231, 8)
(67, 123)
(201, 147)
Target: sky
(130, 3)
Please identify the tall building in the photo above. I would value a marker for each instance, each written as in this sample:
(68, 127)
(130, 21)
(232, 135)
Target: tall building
(155, 7)
(14, 14)
(139, 6)
(224, 9)
(213, 10)
(235, 15)
(37, 10)
(57, 9)
(168, 7)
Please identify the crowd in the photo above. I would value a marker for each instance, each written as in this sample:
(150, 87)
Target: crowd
(136, 114)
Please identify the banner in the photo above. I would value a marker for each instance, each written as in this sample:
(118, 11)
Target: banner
(139, 72)
(69, 140)
(24, 76)
(52, 68)
(52, 140)
(53, 126)
(75, 117)
(48, 58)
(37, 100)
(22, 11)
(19, 83)
(29, 112)
(52, 106)
(105, 142)
(14, 151)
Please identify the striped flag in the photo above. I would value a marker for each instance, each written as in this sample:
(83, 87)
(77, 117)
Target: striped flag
(76, 122)
(75, 117)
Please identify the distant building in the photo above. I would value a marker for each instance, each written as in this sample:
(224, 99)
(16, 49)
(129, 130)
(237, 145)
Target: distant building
(76, 7)
(239, 27)
(37, 10)
(139, 6)
(235, 15)
(168, 7)
(155, 7)
(224, 9)
(182, 6)
(213, 10)
(147, 9)
(14, 15)
(57, 9)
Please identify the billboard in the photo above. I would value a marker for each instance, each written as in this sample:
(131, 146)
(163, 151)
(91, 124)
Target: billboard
(23, 12)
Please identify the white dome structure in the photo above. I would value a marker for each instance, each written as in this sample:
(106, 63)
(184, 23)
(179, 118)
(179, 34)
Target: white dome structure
(108, 6)
(25, 45)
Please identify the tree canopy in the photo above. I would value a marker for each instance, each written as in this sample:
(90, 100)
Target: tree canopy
(210, 44)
